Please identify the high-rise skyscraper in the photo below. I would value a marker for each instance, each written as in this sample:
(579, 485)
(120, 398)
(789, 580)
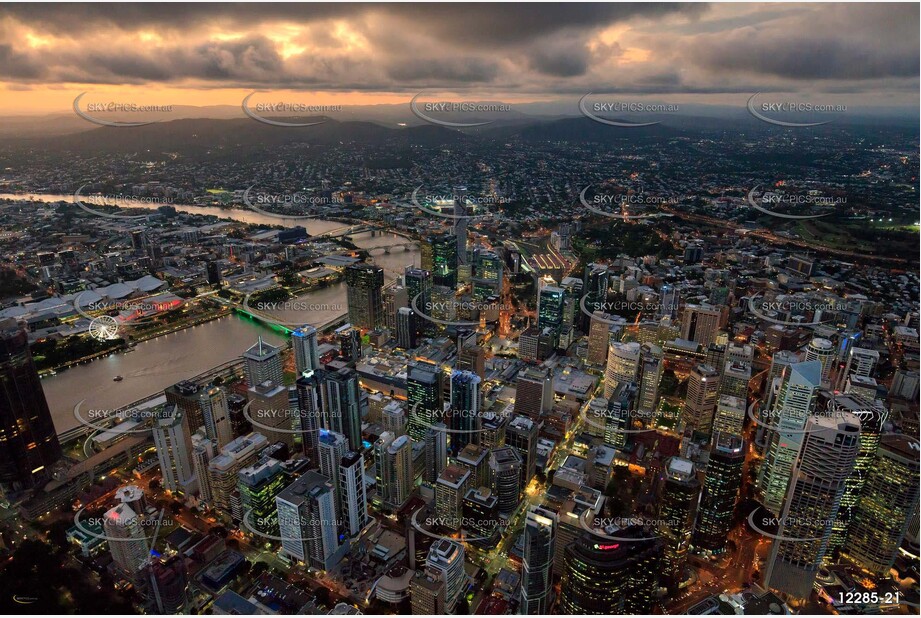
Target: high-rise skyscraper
(606, 577)
(795, 403)
(332, 447)
(730, 415)
(860, 362)
(823, 351)
(450, 489)
(423, 397)
(308, 412)
(258, 485)
(222, 470)
(406, 328)
(436, 452)
(427, 593)
(537, 566)
(599, 337)
(394, 460)
(505, 466)
(550, 307)
(307, 522)
(889, 497)
(700, 402)
(816, 487)
(720, 492)
(172, 444)
(521, 434)
(203, 451)
(480, 516)
(354, 496)
(700, 323)
(30, 446)
(447, 557)
(735, 378)
(216, 415)
(341, 404)
(595, 288)
(464, 416)
(487, 275)
(620, 414)
(677, 512)
(440, 257)
(364, 293)
(129, 544)
(306, 349)
(534, 392)
(262, 362)
(168, 585)
(623, 365)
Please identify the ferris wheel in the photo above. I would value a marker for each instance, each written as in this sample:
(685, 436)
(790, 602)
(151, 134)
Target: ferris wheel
(104, 328)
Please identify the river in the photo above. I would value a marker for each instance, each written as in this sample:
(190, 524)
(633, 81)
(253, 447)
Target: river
(160, 362)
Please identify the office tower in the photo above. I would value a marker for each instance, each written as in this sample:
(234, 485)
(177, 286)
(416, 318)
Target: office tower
(550, 307)
(129, 544)
(395, 296)
(450, 489)
(436, 452)
(222, 470)
(460, 223)
(30, 443)
(170, 440)
(258, 485)
(735, 378)
(406, 328)
(440, 258)
(795, 403)
(270, 408)
(650, 378)
(720, 492)
(537, 566)
(480, 518)
(534, 392)
(716, 355)
(447, 557)
(780, 369)
(677, 512)
(505, 468)
(873, 416)
(472, 359)
(423, 398)
(536, 345)
(905, 385)
(475, 458)
(308, 413)
(427, 593)
(464, 414)
(216, 415)
(332, 447)
(186, 396)
(418, 283)
(394, 459)
(595, 290)
(262, 363)
(701, 400)
(364, 293)
(393, 418)
(307, 522)
(573, 288)
(203, 451)
(730, 415)
(493, 433)
(341, 404)
(306, 349)
(488, 275)
(599, 337)
(619, 415)
(700, 323)
(601, 576)
(888, 499)
(817, 484)
(669, 298)
(860, 362)
(623, 365)
(823, 351)
(168, 585)
(521, 434)
(349, 339)
(354, 497)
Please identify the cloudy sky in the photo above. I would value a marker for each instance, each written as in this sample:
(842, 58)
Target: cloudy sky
(211, 54)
